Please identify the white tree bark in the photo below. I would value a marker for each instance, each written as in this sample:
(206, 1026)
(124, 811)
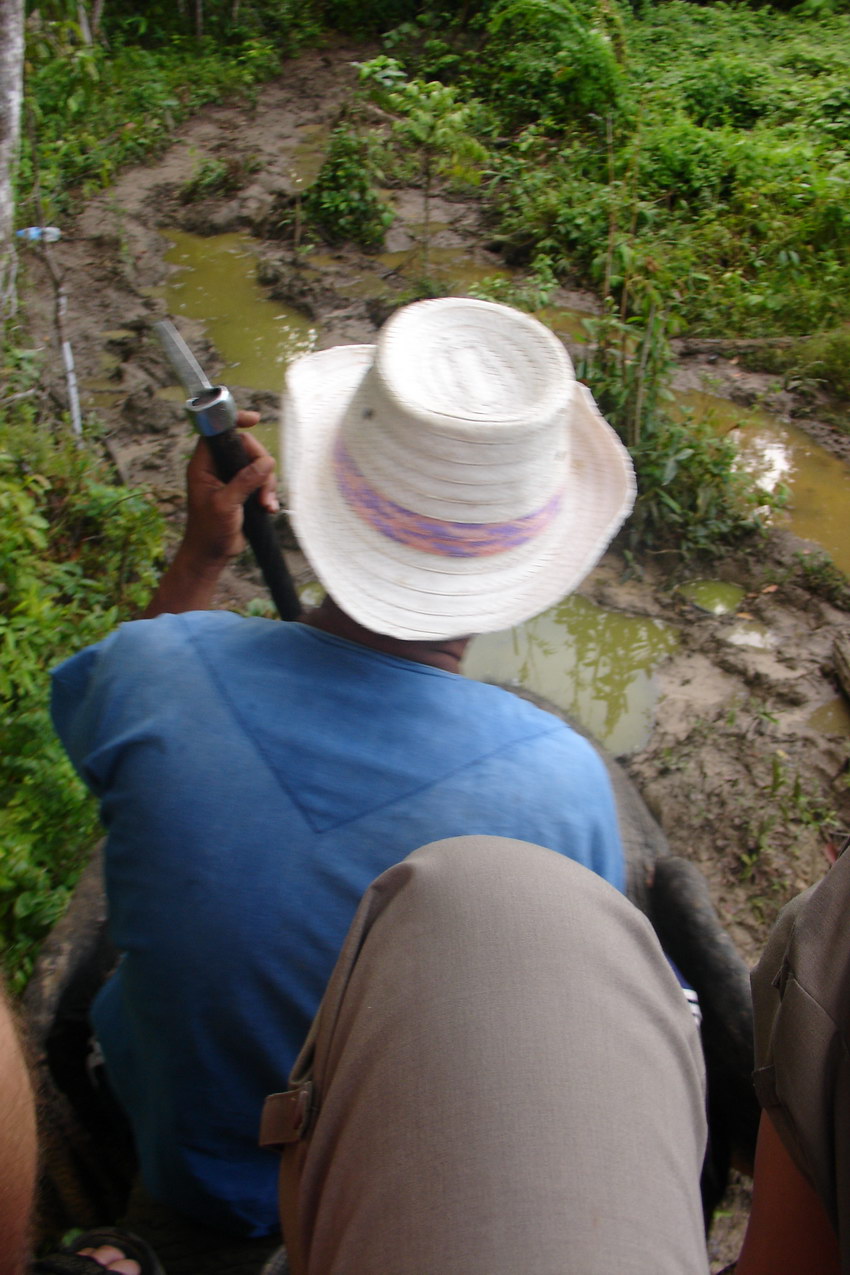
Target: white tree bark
(96, 16)
(11, 90)
(83, 23)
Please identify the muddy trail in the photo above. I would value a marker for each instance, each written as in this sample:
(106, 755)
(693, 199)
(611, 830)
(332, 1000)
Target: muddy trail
(736, 768)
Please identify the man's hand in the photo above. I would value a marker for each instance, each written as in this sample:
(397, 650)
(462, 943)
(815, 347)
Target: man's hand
(214, 519)
(213, 532)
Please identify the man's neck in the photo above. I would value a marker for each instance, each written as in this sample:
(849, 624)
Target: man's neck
(444, 654)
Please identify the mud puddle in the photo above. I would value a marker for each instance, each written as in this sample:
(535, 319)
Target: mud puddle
(213, 281)
(596, 664)
(786, 461)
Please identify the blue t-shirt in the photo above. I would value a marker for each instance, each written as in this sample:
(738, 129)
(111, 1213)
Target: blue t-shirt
(254, 777)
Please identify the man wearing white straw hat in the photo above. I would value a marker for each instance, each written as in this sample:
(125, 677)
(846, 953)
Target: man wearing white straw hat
(255, 777)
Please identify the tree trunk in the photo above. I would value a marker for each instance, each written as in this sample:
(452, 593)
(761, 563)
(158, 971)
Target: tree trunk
(96, 17)
(83, 23)
(11, 90)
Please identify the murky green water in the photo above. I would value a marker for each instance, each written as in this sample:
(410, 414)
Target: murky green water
(214, 281)
(596, 664)
(832, 718)
(449, 266)
(818, 483)
(309, 154)
(717, 597)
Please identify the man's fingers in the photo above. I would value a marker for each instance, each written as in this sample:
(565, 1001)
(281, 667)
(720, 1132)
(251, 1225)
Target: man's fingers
(267, 487)
(252, 444)
(259, 475)
(247, 420)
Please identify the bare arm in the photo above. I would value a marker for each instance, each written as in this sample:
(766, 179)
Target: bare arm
(213, 534)
(789, 1232)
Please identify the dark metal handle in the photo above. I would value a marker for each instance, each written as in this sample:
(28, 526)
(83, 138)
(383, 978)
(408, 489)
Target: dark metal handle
(229, 456)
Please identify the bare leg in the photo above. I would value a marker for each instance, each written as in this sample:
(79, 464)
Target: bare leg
(788, 1229)
(18, 1154)
(19, 1160)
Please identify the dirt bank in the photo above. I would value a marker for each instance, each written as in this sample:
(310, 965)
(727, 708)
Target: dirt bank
(737, 775)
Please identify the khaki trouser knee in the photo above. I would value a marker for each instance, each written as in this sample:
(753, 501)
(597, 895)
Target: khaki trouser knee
(503, 1077)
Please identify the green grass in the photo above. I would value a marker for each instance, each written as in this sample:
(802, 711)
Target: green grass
(91, 110)
(722, 169)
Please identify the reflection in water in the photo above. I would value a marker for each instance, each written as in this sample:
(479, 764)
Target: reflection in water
(782, 455)
(596, 664)
(215, 282)
(751, 634)
(717, 597)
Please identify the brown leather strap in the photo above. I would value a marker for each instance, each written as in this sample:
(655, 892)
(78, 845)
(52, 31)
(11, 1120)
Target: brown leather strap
(286, 1116)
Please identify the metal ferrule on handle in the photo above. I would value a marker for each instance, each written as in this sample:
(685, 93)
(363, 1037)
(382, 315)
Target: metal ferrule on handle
(213, 411)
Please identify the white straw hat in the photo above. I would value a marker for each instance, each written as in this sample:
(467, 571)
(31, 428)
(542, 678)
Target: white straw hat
(454, 478)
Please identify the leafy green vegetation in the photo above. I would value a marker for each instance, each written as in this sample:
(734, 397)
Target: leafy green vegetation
(816, 362)
(711, 143)
(689, 164)
(79, 555)
(819, 574)
(728, 172)
(691, 498)
(342, 202)
(92, 108)
(433, 126)
(548, 60)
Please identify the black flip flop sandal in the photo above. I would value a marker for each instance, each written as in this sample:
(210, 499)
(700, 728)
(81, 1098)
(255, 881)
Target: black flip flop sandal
(70, 1261)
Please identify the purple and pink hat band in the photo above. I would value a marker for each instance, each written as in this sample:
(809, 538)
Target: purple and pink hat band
(434, 535)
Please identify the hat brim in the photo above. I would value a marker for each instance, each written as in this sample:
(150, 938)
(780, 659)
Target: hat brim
(402, 592)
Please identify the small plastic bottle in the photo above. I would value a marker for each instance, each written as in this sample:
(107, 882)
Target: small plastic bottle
(48, 234)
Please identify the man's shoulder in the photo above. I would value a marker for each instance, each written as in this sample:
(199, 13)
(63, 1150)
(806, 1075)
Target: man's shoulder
(132, 650)
(172, 633)
(508, 712)
(177, 628)
(503, 700)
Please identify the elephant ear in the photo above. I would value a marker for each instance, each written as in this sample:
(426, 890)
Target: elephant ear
(643, 840)
(674, 895)
(692, 935)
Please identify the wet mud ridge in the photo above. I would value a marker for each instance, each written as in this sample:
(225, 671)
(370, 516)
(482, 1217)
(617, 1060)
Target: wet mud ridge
(738, 772)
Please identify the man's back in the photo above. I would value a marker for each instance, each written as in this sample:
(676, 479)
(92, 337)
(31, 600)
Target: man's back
(255, 778)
